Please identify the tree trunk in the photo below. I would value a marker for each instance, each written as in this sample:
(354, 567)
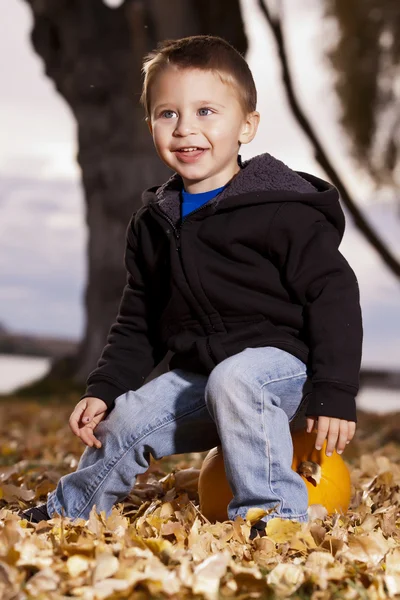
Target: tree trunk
(94, 54)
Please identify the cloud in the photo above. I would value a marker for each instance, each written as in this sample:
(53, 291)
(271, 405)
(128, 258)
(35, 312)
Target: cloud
(38, 133)
(377, 284)
(42, 256)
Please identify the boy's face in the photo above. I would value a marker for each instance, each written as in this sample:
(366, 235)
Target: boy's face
(191, 108)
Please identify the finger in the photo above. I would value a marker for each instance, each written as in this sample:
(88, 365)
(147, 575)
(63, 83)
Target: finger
(75, 417)
(332, 436)
(310, 424)
(323, 427)
(89, 415)
(351, 430)
(93, 439)
(88, 437)
(96, 442)
(342, 440)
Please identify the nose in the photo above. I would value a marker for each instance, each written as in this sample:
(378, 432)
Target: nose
(185, 125)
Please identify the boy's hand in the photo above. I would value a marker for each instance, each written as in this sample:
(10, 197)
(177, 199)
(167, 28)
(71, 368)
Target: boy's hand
(337, 430)
(86, 415)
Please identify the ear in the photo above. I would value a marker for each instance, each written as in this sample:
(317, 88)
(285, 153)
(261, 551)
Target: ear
(249, 128)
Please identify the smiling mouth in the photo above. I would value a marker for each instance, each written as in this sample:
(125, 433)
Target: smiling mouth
(190, 154)
(190, 149)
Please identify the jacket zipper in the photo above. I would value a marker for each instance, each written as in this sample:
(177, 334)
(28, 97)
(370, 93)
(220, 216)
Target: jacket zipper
(177, 229)
(177, 233)
(197, 209)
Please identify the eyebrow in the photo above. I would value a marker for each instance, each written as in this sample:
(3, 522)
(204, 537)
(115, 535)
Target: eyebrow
(198, 102)
(211, 102)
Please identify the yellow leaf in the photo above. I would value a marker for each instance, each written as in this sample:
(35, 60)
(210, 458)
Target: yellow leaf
(158, 545)
(255, 514)
(282, 530)
(167, 510)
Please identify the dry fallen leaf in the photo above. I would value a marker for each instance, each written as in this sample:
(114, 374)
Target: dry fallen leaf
(207, 575)
(392, 574)
(77, 564)
(9, 492)
(282, 530)
(106, 566)
(316, 511)
(369, 548)
(157, 543)
(286, 579)
(43, 581)
(255, 514)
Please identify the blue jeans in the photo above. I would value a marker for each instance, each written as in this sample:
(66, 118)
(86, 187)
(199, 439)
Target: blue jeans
(247, 404)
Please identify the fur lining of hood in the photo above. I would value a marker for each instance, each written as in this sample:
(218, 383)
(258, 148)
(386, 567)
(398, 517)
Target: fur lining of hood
(258, 174)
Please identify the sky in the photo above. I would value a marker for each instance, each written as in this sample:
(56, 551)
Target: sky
(42, 230)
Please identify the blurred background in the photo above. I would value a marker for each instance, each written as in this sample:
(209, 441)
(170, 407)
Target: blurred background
(75, 155)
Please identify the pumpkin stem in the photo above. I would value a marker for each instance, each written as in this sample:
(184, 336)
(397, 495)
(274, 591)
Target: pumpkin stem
(311, 471)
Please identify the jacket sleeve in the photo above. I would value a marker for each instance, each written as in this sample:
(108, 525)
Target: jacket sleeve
(305, 246)
(132, 349)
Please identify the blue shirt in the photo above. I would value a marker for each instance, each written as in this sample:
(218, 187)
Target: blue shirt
(192, 201)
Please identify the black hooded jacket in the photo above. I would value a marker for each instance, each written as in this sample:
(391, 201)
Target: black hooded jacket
(258, 265)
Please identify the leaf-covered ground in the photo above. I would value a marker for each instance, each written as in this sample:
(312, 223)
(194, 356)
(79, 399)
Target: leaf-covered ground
(158, 545)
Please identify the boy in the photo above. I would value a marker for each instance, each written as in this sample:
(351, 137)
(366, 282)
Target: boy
(235, 268)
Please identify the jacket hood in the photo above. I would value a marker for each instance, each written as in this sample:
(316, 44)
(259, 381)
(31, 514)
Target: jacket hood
(261, 179)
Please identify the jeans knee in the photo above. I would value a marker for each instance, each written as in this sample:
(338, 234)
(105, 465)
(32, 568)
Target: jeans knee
(119, 422)
(230, 374)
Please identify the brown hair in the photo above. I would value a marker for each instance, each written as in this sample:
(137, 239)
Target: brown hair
(205, 52)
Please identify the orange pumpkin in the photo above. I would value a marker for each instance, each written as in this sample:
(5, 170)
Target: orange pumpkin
(327, 478)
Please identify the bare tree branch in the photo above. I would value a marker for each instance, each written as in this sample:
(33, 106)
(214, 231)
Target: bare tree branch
(320, 154)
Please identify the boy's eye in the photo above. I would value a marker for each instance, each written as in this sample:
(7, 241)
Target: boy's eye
(167, 114)
(204, 109)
